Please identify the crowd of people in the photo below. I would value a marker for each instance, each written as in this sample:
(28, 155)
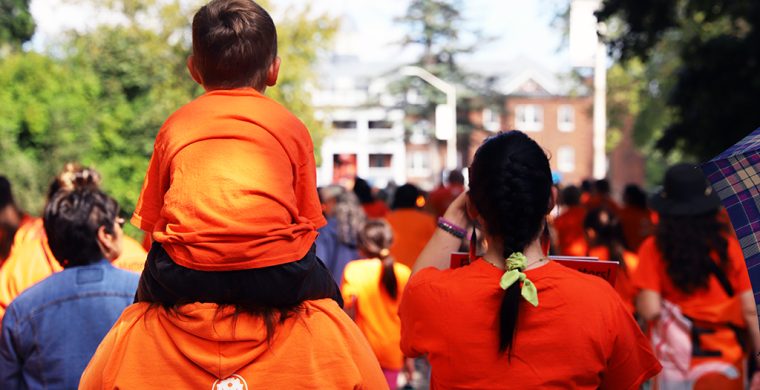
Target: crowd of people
(252, 277)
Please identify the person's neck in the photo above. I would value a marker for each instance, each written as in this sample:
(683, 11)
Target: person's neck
(533, 252)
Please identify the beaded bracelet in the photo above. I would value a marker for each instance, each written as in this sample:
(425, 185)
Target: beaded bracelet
(451, 228)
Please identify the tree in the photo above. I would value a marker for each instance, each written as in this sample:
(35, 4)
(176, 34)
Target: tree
(710, 93)
(16, 23)
(102, 97)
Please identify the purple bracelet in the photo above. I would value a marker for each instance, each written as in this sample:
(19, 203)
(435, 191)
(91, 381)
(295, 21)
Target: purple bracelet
(451, 228)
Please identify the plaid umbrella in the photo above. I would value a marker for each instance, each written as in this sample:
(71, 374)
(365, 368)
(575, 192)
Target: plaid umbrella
(734, 176)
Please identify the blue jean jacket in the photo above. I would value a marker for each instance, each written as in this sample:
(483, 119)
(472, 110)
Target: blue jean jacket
(53, 328)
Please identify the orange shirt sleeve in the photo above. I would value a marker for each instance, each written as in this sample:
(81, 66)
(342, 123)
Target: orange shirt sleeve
(155, 185)
(631, 361)
(415, 309)
(647, 275)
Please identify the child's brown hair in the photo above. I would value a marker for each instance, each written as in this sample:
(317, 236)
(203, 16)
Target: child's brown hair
(234, 44)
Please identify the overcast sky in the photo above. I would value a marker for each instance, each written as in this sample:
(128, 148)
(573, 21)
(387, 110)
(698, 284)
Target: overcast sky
(521, 27)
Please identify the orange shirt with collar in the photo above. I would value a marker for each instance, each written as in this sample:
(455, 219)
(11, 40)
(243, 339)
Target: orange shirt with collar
(231, 184)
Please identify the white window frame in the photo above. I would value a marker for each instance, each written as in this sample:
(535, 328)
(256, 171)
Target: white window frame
(491, 120)
(529, 117)
(562, 124)
(566, 159)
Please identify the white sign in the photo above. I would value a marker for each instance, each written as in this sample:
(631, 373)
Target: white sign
(445, 122)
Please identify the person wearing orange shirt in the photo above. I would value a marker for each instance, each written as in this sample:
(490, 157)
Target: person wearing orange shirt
(412, 227)
(232, 180)
(695, 291)
(605, 242)
(569, 225)
(372, 290)
(228, 322)
(440, 198)
(31, 260)
(373, 207)
(636, 219)
(513, 318)
(601, 197)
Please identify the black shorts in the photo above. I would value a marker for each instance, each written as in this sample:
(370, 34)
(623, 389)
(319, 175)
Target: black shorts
(282, 286)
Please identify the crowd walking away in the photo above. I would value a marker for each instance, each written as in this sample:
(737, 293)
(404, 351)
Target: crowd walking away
(264, 280)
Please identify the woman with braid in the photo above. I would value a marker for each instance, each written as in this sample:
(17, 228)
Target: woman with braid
(512, 318)
(372, 290)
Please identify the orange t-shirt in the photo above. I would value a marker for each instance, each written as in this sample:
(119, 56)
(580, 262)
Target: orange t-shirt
(624, 284)
(231, 184)
(710, 304)
(31, 261)
(637, 224)
(580, 336)
(376, 312)
(203, 347)
(570, 234)
(376, 209)
(412, 230)
(441, 197)
(596, 201)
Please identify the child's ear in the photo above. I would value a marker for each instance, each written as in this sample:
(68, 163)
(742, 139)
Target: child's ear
(193, 70)
(274, 71)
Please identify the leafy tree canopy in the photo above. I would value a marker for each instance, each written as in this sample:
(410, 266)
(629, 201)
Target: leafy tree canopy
(702, 61)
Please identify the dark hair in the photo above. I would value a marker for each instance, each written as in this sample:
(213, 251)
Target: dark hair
(375, 240)
(586, 185)
(608, 233)
(405, 197)
(7, 228)
(72, 219)
(234, 44)
(6, 196)
(602, 186)
(571, 196)
(686, 243)
(634, 196)
(363, 191)
(510, 186)
(456, 177)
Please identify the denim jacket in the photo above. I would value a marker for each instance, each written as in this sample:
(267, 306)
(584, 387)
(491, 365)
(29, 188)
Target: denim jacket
(53, 328)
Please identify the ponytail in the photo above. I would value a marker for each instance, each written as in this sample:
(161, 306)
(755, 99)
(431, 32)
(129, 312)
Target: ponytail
(374, 240)
(388, 276)
(510, 186)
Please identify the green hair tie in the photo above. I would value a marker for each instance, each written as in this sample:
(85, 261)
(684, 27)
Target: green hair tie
(515, 265)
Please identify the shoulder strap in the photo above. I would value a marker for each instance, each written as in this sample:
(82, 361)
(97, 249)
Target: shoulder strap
(722, 278)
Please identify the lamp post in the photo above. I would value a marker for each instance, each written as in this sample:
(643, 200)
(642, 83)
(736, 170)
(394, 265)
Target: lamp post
(451, 107)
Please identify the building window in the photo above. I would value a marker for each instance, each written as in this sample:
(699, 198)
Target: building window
(566, 118)
(566, 159)
(529, 117)
(382, 124)
(418, 162)
(344, 124)
(491, 120)
(380, 160)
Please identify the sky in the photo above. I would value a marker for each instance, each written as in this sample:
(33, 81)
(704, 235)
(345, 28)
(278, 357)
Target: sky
(521, 28)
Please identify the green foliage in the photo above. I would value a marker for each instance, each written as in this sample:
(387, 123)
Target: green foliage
(46, 106)
(697, 94)
(102, 97)
(16, 23)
